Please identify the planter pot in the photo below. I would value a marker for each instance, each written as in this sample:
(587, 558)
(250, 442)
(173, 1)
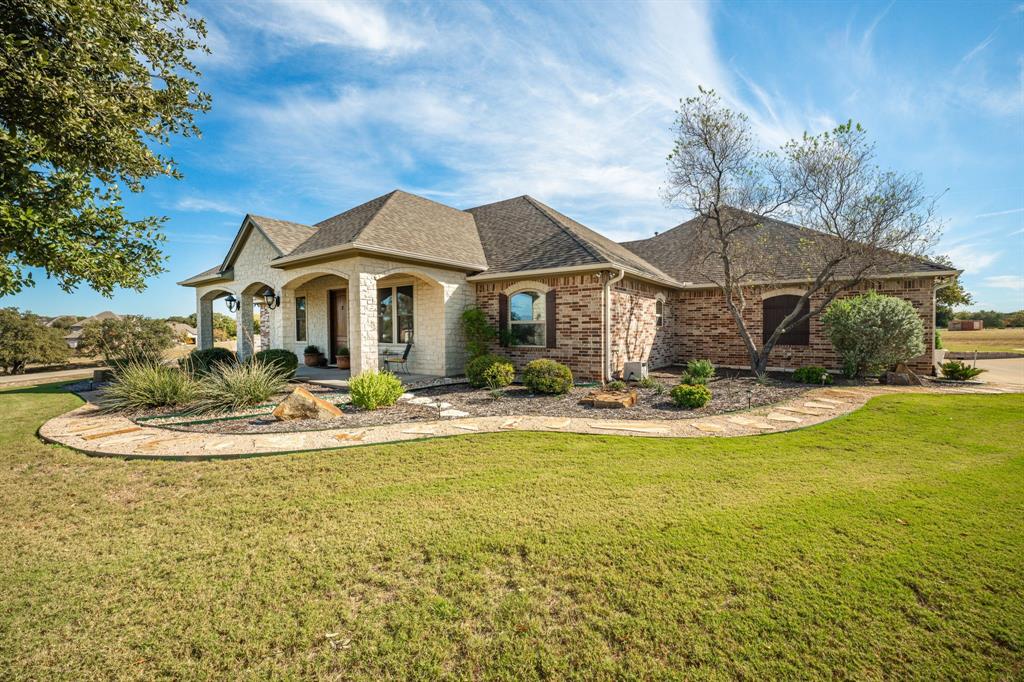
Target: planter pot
(312, 359)
(344, 361)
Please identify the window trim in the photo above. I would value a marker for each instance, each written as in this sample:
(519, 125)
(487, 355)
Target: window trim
(303, 319)
(542, 321)
(395, 335)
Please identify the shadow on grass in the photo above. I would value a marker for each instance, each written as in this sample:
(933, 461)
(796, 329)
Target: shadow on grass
(40, 389)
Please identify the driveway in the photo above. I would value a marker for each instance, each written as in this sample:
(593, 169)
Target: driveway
(1009, 371)
(45, 377)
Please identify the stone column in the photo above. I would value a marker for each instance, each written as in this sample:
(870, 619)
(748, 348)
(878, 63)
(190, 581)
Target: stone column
(204, 323)
(362, 321)
(243, 331)
(265, 314)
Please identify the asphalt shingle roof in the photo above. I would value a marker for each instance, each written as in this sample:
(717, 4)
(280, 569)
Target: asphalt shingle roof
(283, 234)
(778, 243)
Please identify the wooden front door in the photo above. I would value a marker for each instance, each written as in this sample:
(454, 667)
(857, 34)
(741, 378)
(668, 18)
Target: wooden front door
(337, 313)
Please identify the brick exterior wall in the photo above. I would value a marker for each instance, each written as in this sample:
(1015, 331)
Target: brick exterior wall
(578, 322)
(707, 330)
(636, 335)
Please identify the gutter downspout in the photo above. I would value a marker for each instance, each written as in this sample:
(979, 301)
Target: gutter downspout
(608, 369)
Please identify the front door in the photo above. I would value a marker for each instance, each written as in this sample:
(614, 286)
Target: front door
(337, 312)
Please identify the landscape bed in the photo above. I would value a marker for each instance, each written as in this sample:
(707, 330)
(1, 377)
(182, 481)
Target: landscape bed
(823, 552)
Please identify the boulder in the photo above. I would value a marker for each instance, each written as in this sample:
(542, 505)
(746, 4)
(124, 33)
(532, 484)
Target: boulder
(302, 404)
(612, 399)
(902, 376)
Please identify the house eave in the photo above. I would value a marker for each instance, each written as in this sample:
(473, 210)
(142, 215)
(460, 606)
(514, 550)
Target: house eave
(805, 280)
(355, 249)
(572, 269)
(225, 276)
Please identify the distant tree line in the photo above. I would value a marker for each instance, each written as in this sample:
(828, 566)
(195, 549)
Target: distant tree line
(991, 318)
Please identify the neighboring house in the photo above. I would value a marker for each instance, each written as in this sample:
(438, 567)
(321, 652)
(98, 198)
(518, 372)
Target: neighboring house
(75, 330)
(966, 325)
(403, 268)
(183, 333)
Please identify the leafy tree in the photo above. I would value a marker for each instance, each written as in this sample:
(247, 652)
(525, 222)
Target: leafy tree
(64, 321)
(224, 326)
(131, 337)
(88, 88)
(872, 332)
(949, 297)
(993, 319)
(1015, 319)
(24, 339)
(861, 218)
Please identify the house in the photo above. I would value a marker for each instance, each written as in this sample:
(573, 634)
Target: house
(75, 330)
(401, 268)
(183, 333)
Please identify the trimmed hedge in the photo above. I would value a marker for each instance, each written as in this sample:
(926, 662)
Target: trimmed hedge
(285, 360)
(372, 389)
(691, 396)
(812, 374)
(201, 362)
(476, 368)
(548, 377)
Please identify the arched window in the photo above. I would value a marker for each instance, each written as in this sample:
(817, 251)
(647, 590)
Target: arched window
(526, 318)
(775, 310)
(659, 313)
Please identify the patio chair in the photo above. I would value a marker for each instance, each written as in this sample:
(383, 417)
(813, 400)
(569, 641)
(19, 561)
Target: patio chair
(401, 360)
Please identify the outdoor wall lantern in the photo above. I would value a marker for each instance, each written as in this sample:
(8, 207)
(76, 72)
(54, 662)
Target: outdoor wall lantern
(232, 303)
(271, 299)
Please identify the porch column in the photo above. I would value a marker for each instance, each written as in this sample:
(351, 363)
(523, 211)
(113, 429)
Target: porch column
(362, 321)
(204, 324)
(282, 321)
(243, 331)
(265, 317)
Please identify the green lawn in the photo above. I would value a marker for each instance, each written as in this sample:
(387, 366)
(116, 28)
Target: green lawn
(886, 544)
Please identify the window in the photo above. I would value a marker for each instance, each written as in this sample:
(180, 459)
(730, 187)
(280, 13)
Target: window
(526, 318)
(300, 318)
(394, 314)
(775, 310)
(659, 312)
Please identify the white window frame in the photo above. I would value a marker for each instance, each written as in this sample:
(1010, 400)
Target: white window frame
(542, 321)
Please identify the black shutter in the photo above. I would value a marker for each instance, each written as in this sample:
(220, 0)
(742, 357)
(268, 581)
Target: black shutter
(774, 310)
(552, 341)
(502, 319)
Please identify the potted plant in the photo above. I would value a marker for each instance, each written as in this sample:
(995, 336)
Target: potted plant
(343, 358)
(311, 356)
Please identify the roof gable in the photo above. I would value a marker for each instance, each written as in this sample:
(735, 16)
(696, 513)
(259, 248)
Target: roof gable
(283, 235)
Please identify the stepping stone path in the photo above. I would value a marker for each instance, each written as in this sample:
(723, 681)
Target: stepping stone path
(453, 413)
(743, 421)
(820, 406)
(800, 410)
(708, 427)
(467, 427)
(778, 417)
(634, 427)
(558, 425)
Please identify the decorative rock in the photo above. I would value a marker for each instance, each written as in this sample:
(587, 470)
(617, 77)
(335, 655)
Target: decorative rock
(612, 399)
(302, 404)
(902, 376)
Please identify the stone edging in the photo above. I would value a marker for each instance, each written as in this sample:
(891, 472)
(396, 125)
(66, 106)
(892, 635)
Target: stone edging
(95, 433)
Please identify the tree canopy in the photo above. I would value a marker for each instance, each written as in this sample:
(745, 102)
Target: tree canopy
(24, 339)
(90, 88)
(130, 337)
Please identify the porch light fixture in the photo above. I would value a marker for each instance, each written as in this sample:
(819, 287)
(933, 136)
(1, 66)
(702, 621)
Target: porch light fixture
(270, 299)
(232, 303)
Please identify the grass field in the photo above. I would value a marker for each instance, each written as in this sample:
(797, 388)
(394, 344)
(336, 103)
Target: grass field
(1006, 340)
(885, 544)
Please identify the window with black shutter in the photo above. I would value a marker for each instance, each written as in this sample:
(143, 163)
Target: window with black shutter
(775, 310)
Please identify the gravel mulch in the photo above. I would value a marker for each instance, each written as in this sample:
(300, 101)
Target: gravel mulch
(353, 418)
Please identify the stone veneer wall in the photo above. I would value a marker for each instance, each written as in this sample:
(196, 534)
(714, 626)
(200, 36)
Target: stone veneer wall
(577, 322)
(703, 327)
(635, 334)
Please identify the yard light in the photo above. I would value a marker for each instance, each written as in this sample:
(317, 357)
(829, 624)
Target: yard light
(232, 303)
(271, 299)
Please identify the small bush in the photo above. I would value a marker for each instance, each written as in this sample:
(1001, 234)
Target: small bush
(690, 396)
(812, 374)
(499, 375)
(311, 350)
(285, 359)
(477, 331)
(235, 386)
(938, 339)
(698, 372)
(372, 389)
(139, 384)
(615, 386)
(476, 367)
(201, 362)
(959, 371)
(871, 332)
(652, 384)
(548, 377)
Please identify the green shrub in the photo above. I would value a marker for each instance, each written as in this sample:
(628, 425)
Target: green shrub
(311, 350)
(652, 384)
(938, 339)
(698, 372)
(201, 362)
(548, 377)
(872, 332)
(691, 396)
(478, 332)
(476, 367)
(959, 371)
(372, 389)
(285, 359)
(234, 386)
(139, 384)
(499, 375)
(812, 374)
(615, 386)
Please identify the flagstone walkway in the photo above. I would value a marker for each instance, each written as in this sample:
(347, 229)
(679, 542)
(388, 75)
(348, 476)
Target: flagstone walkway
(94, 432)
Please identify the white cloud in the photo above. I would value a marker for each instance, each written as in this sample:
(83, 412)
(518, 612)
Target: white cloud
(999, 213)
(200, 205)
(971, 258)
(1014, 282)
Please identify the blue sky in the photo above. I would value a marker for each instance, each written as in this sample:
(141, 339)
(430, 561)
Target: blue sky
(320, 106)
